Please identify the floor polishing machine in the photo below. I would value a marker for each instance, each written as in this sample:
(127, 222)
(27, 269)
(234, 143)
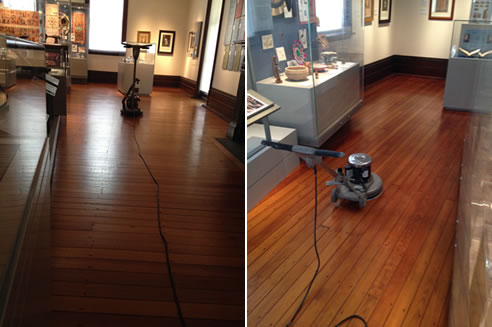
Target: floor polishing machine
(355, 182)
(130, 100)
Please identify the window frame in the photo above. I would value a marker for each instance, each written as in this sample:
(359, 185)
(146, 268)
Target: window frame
(346, 31)
(123, 35)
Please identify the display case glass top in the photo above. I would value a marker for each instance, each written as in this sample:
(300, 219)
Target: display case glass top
(472, 39)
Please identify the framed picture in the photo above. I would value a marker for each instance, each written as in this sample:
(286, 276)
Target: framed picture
(191, 43)
(441, 9)
(304, 16)
(166, 42)
(143, 37)
(198, 32)
(368, 11)
(384, 11)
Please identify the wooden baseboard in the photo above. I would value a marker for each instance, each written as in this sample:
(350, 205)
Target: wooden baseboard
(167, 80)
(96, 76)
(188, 85)
(434, 67)
(222, 104)
(396, 64)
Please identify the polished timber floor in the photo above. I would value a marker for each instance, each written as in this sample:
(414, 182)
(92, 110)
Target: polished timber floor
(108, 260)
(391, 262)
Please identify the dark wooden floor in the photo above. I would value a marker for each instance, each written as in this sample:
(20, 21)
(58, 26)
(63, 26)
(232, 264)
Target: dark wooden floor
(108, 260)
(390, 262)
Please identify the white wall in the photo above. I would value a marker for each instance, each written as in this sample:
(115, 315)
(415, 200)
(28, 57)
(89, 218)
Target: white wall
(196, 13)
(151, 15)
(416, 35)
(224, 80)
(378, 39)
(410, 32)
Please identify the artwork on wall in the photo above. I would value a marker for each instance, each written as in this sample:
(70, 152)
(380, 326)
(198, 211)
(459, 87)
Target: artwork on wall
(384, 11)
(368, 11)
(197, 30)
(304, 17)
(166, 42)
(20, 23)
(143, 37)
(191, 43)
(481, 10)
(441, 9)
(78, 27)
(52, 19)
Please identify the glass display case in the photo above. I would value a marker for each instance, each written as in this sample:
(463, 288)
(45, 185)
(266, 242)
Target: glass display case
(145, 70)
(469, 75)
(26, 163)
(471, 289)
(80, 40)
(57, 37)
(307, 57)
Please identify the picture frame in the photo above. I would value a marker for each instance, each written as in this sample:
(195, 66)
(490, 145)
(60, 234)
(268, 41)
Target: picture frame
(197, 28)
(384, 11)
(368, 11)
(191, 42)
(441, 9)
(304, 16)
(166, 42)
(143, 37)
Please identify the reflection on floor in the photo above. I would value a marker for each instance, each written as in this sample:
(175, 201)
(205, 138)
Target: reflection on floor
(108, 259)
(390, 262)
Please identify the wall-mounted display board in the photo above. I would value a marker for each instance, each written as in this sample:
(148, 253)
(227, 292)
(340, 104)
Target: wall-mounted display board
(480, 10)
(234, 36)
(20, 23)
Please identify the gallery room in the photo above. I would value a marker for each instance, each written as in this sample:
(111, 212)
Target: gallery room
(368, 163)
(121, 165)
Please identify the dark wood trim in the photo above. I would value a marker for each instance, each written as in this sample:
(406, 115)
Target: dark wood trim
(188, 85)
(221, 103)
(218, 42)
(167, 80)
(125, 21)
(204, 43)
(378, 70)
(434, 67)
(396, 64)
(95, 76)
(106, 53)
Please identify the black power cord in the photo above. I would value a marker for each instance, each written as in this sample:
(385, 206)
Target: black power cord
(319, 261)
(163, 238)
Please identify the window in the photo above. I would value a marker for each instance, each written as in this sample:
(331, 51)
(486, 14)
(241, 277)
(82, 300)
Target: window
(331, 15)
(335, 18)
(20, 4)
(106, 25)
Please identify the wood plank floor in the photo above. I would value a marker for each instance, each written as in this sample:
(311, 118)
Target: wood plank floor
(391, 262)
(108, 259)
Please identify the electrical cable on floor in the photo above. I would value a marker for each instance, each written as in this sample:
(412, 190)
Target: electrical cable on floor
(319, 261)
(163, 238)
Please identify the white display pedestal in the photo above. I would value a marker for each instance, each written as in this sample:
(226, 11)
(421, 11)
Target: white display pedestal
(469, 85)
(145, 73)
(268, 167)
(338, 95)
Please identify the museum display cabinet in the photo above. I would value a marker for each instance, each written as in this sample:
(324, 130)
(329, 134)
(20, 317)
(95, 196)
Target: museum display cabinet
(27, 146)
(471, 291)
(57, 38)
(145, 70)
(307, 57)
(469, 75)
(80, 41)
